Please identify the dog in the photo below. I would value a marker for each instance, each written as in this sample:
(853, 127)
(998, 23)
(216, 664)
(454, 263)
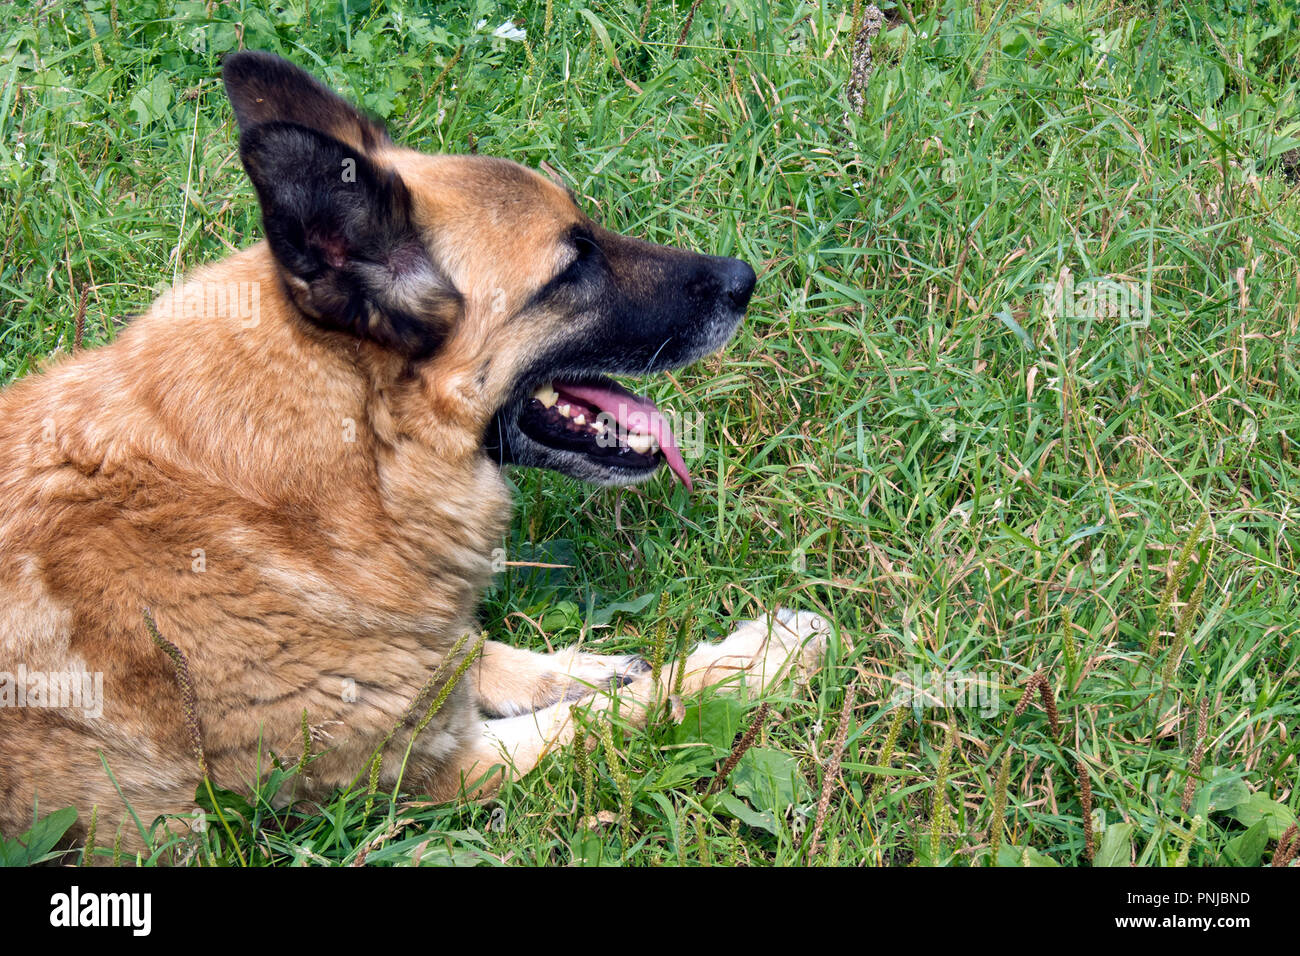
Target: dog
(277, 493)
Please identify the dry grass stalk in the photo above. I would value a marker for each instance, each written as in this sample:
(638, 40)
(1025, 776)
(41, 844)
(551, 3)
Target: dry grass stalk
(79, 329)
(1085, 798)
(190, 707)
(1038, 683)
(1048, 697)
(1287, 847)
(860, 66)
(1031, 685)
(832, 769)
(189, 700)
(1198, 753)
(686, 28)
(738, 751)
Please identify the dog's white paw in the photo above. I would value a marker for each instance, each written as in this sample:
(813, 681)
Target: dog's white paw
(805, 635)
(528, 682)
(585, 674)
(764, 651)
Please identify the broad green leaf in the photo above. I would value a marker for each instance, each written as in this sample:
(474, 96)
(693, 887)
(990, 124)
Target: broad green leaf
(768, 779)
(1116, 846)
(1247, 849)
(1023, 856)
(734, 806)
(222, 38)
(680, 772)
(588, 849)
(602, 35)
(1258, 808)
(715, 721)
(150, 101)
(1214, 85)
(228, 800)
(635, 606)
(561, 616)
(1227, 790)
(37, 842)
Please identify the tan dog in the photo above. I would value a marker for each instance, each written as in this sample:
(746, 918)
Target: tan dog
(294, 460)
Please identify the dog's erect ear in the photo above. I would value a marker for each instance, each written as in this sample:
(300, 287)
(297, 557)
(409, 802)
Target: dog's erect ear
(263, 88)
(342, 231)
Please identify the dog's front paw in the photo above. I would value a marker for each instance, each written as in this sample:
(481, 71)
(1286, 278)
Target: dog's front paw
(804, 635)
(764, 651)
(582, 674)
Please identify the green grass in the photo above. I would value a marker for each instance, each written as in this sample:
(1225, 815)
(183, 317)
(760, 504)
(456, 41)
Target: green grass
(907, 434)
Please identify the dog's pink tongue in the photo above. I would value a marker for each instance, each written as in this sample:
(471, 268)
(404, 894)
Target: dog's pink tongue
(634, 414)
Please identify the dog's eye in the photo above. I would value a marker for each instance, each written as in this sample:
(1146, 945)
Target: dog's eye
(585, 265)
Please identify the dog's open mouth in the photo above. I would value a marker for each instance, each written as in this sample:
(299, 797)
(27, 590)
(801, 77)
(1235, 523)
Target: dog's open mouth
(605, 422)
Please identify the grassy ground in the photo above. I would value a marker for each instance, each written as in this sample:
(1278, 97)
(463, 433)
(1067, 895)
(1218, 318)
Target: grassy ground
(1017, 404)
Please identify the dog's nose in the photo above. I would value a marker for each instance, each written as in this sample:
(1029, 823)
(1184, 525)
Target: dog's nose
(737, 281)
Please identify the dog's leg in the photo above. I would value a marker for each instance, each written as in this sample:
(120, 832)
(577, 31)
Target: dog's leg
(752, 657)
(510, 681)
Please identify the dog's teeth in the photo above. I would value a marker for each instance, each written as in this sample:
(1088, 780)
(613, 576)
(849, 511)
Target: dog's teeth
(547, 395)
(564, 410)
(579, 419)
(639, 443)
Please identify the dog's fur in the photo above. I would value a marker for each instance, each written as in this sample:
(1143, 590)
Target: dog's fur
(306, 494)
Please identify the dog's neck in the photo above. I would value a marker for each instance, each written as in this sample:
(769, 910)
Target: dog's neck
(286, 414)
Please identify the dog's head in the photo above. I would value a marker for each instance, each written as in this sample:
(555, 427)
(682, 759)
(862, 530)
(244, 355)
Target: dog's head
(483, 275)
